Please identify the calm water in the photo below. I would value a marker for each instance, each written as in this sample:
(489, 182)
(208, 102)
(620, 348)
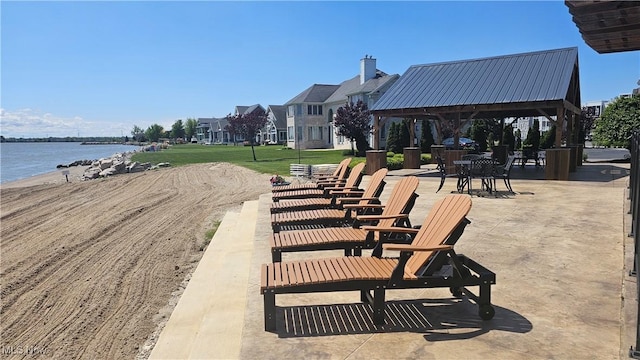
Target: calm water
(23, 160)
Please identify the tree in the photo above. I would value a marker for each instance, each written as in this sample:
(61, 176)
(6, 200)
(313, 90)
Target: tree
(353, 122)
(509, 140)
(247, 125)
(190, 128)
(426, 137)
(393, 140)
(177, 130)
(548, 138)
(618, 121)
(137, 133)
(154, 132)
(405, 136)
(533, 136)
(479, 132)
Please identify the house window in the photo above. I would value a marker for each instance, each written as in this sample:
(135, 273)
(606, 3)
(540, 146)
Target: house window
(340, 139)
(314, 109)
(290, 110)
(299, 133)
(383, 131)
(299, 109)
(290, 132)
(314, 132)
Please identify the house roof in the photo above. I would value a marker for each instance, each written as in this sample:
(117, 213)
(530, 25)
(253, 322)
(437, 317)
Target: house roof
(280, 114)
(520, 78)
(317, 93)
(607, 26)
(353, 86)
(241, 109)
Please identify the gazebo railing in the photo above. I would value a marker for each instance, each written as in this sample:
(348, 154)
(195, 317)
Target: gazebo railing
(634, 210)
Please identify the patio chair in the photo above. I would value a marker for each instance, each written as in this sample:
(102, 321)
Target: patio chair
(322, 218)
(485, 170)
(444, 174)
(428, 262)
(504, 172)
(339, 175)
(338, 197)
(352, 182)
(354, 239)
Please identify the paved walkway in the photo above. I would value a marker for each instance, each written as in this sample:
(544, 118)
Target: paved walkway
(557, 247)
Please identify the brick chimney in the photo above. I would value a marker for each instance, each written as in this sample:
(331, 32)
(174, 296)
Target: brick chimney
(367, 68)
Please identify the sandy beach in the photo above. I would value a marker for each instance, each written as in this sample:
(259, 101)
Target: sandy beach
(91, 269)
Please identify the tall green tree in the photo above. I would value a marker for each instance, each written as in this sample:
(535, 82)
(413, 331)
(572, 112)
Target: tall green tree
(405, 136)
(509, 139)
(548, 138)
(354, 123)
(393, 140)
(617, 122)
(154, 132)
(247, 126)
(479, 132)
(177, 130)
(533, 136)
(426, 137)
(138, 133)
(190, 128)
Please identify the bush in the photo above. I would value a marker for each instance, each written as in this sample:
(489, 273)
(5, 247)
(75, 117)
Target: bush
(391, 154)
(425, 159)
(395, 163)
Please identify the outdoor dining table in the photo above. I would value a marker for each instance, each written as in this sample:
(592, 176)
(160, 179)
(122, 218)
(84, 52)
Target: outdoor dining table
(466, 174)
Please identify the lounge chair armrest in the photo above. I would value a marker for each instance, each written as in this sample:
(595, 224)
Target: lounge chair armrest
(413, 248)
(381, 217)
(347, 191)
(354, 199)
(389, 229)
(331, 189)
(363, 206)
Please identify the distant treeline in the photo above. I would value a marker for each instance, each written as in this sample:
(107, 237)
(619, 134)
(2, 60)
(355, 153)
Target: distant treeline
(84, 139)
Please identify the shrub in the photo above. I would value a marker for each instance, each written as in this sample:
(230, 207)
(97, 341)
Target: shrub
(391, 154)
(395, 163)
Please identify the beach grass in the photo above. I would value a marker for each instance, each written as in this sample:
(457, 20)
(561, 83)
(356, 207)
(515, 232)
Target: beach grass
(271, 159)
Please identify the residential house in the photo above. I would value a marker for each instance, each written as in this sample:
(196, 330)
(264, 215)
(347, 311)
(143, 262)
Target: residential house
(311, 113)
(212, 131)
(276, 129)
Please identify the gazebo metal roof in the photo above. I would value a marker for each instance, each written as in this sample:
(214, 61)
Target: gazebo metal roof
(511, 85)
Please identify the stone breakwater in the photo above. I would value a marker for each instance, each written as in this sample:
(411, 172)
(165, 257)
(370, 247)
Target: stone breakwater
(116, 164)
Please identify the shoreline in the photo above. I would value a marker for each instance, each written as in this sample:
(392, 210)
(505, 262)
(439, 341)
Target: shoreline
(51, 177)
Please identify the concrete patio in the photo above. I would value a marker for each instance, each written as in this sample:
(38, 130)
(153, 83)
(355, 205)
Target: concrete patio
(559, 248)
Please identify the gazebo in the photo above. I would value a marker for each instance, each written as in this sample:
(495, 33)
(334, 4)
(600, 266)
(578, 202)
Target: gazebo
(538, 83)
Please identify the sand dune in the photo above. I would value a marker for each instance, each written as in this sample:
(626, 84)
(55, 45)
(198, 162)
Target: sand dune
(87, 267)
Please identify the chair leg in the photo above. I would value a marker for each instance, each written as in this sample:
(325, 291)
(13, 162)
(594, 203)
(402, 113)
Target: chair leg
(441, 183)
(378, 306)
(269, 311)
(276, 255)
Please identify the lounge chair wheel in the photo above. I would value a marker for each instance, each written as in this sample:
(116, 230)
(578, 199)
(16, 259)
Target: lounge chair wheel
(456, 291)
(486, 312)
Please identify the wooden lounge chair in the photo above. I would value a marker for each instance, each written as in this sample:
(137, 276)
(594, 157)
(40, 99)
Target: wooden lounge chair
(428, 262)
(352, 182)
(338, 176)
(306, 219)
(338, 197)
(353, 239)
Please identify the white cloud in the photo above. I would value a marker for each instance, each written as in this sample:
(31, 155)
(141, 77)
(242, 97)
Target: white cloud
(33, 123)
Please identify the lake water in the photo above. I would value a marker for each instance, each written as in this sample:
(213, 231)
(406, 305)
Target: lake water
(23, 160)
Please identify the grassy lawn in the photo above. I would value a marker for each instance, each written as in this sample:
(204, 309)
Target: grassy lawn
(270, 159)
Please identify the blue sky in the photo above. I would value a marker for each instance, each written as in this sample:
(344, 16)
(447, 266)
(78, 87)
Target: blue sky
(99, 68)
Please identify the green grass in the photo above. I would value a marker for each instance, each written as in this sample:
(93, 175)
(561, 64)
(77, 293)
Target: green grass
(270, 159)
(208, 235)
